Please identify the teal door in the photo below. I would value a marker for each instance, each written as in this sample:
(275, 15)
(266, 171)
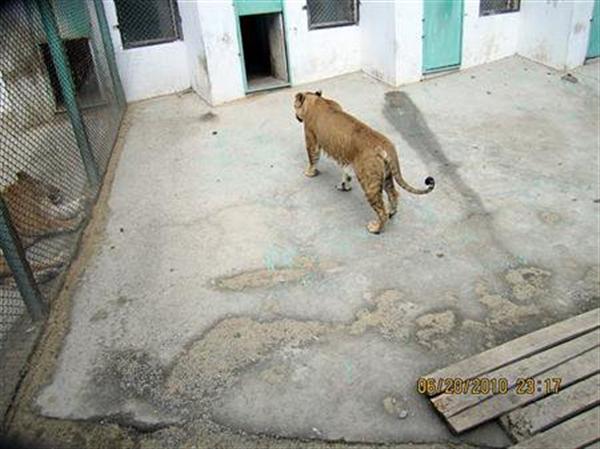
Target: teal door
(263, 47)
(594, 44)
(442, 34)
(251, 7)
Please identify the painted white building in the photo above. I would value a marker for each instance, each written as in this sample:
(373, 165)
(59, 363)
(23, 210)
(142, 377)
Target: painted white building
(224, 49)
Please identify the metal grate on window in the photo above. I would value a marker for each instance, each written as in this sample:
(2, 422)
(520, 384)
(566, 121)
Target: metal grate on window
(147, 22)
(327, 13)
(490, 7)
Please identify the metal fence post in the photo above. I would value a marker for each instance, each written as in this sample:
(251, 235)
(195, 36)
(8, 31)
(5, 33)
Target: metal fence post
(110, 52)
(67, 86)
(14, 254)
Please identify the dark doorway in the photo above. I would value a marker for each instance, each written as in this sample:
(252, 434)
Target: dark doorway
(263, 43)
(83, 71)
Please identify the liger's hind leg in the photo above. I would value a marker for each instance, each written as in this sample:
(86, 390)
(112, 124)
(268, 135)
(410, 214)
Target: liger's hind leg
(345, 184)
(392, 194)
(373, 188)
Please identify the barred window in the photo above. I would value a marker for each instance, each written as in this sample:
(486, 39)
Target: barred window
(490, 7)
(328, 13)
(148, 22)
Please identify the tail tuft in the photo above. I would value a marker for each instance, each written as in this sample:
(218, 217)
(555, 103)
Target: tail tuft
(430, 182)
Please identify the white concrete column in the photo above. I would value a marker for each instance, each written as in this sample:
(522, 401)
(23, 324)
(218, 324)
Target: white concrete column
(409, 38)
(556, 32)
(222, 50)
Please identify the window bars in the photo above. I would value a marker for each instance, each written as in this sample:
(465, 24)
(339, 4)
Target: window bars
(490, 7)
(326, 13)
(148, 22)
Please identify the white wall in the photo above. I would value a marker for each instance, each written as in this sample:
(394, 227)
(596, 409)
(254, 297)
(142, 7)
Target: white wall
(409, 52)
(312, 55)
(386, 44)
(392, 45)
(148, 71)
(223, 54)
(555, 32)
(318, 54)
(580, 33)
(195, 49)
(488, 38)
(378, 39)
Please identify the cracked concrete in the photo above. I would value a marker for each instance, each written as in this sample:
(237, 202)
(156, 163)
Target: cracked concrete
(231, 302)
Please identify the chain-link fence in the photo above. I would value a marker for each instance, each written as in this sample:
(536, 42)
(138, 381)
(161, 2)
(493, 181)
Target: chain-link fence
(61, 105)
(327, 13)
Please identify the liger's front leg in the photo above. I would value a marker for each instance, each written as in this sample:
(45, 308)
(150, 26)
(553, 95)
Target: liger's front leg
(313, 153)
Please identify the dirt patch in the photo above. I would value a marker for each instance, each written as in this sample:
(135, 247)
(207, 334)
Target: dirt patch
(503, 312)
(391, 316)
(71, 434)
(225, 439)
(591, 281)
(276, 374)
(301, 270)
(508, 308)
(261, 278)
(208, 116)
(433, 327)
(132, 374)
(527, 282)
(479, 332)
(209, 365)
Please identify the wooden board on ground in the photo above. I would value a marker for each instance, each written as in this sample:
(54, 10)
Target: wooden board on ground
(559, 406)
(531, 367)
(541, 415)
(579, 431)
(521, 347)
(569, 372)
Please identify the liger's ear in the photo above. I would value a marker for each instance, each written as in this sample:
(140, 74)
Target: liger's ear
(319, 93)
(300, 98)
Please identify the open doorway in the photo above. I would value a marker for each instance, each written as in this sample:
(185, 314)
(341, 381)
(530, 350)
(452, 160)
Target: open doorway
(263, 43)
(83, 70)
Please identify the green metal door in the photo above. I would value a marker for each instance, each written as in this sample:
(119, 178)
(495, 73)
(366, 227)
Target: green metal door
(249, 7)
(442, 34)
(594, 44)
(259, 7)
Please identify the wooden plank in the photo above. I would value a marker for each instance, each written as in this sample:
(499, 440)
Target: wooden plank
(570, 372)
(450, 404)
(543, 414)
(577, 432)
(521, 347)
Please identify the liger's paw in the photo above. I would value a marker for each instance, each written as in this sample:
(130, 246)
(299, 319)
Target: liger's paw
(311, 172)
(374, 227)
(343, 186)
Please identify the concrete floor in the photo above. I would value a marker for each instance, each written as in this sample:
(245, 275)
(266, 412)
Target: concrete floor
(229, 291)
